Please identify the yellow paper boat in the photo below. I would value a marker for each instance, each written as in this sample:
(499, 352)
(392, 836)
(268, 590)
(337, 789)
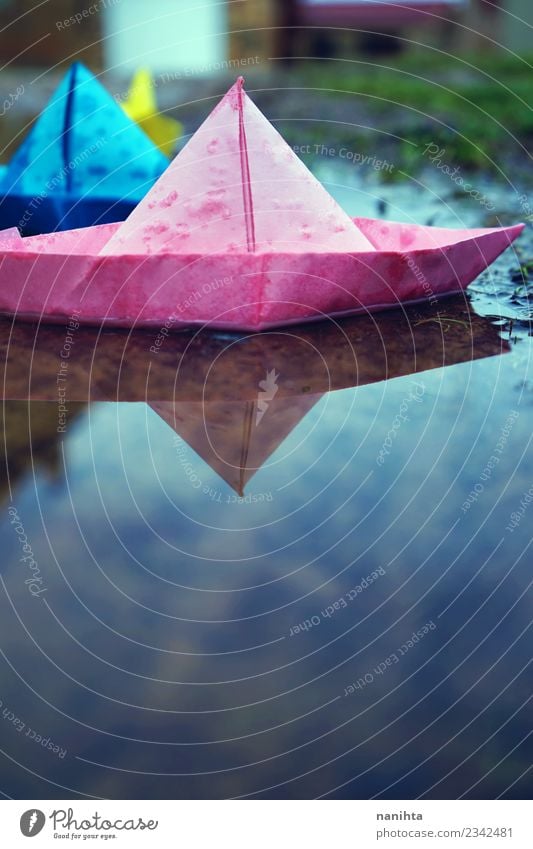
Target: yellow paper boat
(141, 106)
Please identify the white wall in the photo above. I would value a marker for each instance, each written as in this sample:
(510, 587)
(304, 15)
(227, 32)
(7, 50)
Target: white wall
(165, 35)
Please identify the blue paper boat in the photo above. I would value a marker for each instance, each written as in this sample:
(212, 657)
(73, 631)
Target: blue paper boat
(84, 162)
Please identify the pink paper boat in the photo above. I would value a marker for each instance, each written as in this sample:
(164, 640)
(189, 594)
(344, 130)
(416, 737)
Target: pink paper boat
(237, 234)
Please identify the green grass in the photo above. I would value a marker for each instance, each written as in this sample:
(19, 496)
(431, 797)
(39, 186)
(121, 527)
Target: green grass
(479, 108)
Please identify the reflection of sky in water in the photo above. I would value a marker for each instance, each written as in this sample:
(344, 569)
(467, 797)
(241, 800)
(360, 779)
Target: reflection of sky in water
(169, 610)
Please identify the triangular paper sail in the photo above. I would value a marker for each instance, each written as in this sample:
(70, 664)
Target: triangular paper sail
(237, 186)
(141, 107)
(83, 161)
(234, 438)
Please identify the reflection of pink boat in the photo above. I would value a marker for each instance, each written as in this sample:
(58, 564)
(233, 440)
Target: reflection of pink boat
(237, 234)
(233, 401)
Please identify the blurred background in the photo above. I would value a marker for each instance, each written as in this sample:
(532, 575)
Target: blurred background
(122, 32)
(452, 71)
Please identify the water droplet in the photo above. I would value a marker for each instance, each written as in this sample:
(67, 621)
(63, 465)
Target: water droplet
(169, 200)
(212, 146)
(156, 228)
(210, 207)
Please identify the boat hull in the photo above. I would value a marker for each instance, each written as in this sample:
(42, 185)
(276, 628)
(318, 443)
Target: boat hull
(51, 277)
